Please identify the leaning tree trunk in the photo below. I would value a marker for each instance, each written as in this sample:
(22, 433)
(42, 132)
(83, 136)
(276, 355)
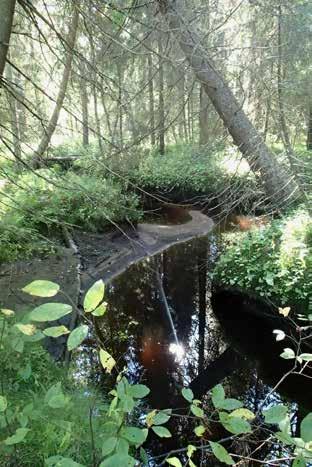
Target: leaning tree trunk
(6, 14)
(203, 117)
(46, 138)
(278, 185)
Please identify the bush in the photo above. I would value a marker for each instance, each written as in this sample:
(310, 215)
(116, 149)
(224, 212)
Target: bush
(182, 169)
(81, 200)
(274, 262)
(16, 243)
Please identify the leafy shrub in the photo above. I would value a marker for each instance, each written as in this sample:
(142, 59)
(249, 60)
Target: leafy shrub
(274, 261)
(181, 168)
(82, 200)
(21, 242)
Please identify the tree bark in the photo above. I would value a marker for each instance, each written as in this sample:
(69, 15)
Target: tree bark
(120, 103)
(282, 117)
(14, 117)
(95, 95)
(84, 109)
(203, 117)
(151, 98)
(7, 8)
(161, 103)
(46, 138)
(278, 185)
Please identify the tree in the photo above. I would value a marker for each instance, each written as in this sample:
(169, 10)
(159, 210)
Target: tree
(70, 43)
(277, 184)
(7, 8)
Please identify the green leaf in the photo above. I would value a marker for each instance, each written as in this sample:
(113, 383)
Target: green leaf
(118, 460)
(109, 445)
(17, 344)
(55, 398)
(217, 395)
(197, 411)
(107, 361)
(299, 462)
(306, 357)
(55, 331)
(27, 329)
(3, 404)
(288, 354)
(25, 372)
(77, 336)
(190, 450)
(280, 335)
(161, 431)
(8, 313)
(306, 428)
(100, 310)
(162, 417)
(243, 413)
(59, 461)
(144, 456)
(94, 296)
(199, 430)
(234, 425)
(269, 278)
(134, 435)
(18, 436)
(122, 446)
(285, 438)
(38, 336)
(275, 414)
(50, 312)
(174, 461)
(187, 393)
(230, 404)
(42, 288)
(138, 391)
(127, 404)
(221, 453)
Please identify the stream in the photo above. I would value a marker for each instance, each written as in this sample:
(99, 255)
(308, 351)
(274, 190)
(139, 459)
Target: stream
(168, 352)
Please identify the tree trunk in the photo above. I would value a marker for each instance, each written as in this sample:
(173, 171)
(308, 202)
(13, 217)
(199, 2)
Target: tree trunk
(309, 136)
(20, 108)
(282, 117)
(84, 109)
(46, 138)
(120, 103)
(161, 104)
(267, 118)
(151, 98)
(14, 117)
(278, 185)
(95, 95)
(203, 117)
(6, 14)
(107, 115)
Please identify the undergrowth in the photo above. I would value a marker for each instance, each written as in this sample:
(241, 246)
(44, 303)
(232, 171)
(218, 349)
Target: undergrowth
(274, 261)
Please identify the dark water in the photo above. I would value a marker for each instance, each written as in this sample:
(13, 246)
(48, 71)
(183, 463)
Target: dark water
(139, 334)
